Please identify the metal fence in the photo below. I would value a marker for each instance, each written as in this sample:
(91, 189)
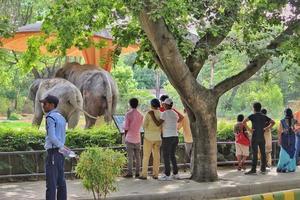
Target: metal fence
(8, 161)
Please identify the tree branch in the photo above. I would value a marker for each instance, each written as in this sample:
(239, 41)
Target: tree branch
(170, 59)
(208, 42)
(257, 63)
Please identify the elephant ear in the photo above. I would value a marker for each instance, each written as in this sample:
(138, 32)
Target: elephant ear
(34, 88)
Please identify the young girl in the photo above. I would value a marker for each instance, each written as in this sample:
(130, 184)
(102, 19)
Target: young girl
(242, 143)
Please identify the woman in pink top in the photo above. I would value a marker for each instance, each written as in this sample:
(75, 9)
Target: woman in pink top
(132, 127)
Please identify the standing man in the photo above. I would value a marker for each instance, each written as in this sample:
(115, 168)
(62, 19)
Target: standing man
(268, 140)
(258, 129)
(55, 140)
(132, 126)
(297, 131)
(187, 135)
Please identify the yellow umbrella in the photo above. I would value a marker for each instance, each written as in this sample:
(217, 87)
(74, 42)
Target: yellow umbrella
(91, 55)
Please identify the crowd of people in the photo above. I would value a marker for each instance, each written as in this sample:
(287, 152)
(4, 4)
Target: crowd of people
(160, 126)
(259, 137)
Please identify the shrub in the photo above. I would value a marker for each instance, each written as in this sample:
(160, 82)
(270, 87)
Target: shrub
(27, 139)
(15, 116)
(98, 168)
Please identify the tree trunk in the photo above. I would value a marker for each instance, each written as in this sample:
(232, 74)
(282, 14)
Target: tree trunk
(204, 128)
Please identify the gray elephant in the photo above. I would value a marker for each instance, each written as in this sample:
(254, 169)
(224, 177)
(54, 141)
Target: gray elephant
(98, 89)
(70, 99)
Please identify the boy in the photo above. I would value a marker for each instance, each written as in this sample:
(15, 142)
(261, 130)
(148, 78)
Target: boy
(259, 122)
(132, 126)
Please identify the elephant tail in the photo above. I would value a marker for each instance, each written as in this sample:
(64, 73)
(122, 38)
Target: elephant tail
(85, 112)
(77, 104)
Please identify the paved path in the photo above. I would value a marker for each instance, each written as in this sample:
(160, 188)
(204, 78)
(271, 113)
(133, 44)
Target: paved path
(232, 183)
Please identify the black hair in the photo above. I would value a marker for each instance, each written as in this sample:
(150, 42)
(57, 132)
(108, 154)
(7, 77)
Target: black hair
(264, 111)
(133, 102)
(240, 118)
(257, 107)
(163, 97)
(155, 103)
(289, 116)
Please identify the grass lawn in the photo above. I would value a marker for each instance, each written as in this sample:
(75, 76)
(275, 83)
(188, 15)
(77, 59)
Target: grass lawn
(14, 124)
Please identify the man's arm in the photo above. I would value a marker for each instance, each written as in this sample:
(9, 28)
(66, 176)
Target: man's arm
(179, 115)
(270, 125)
(51, 133)
(157, 122)
(246, 125)
(126, 124)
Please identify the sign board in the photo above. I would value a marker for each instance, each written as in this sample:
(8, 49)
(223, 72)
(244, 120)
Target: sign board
(119, 122)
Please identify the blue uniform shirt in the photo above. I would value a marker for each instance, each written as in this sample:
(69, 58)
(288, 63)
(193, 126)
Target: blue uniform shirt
(56, 130)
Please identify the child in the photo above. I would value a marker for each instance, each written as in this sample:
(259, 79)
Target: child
(242, 143)
(152, 141)
(132, 126)
(169, 119)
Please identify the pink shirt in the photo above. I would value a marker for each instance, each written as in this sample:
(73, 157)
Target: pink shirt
(133, 124)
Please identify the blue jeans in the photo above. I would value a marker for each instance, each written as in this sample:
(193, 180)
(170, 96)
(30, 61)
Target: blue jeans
(297, 147)
(55, 178)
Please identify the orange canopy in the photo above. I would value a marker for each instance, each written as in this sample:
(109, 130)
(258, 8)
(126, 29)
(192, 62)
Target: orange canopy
(101, 57)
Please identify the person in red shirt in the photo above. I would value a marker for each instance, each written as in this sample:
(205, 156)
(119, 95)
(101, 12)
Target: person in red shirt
(162, 99)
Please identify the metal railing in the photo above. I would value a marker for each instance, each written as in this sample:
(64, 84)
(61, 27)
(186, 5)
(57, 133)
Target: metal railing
(37, 172)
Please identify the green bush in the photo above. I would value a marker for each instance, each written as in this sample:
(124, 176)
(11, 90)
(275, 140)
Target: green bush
(98, 168)
(28, 139)
(15, 116)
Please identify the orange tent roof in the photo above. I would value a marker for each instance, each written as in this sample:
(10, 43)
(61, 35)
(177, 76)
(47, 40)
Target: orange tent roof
(91, 55)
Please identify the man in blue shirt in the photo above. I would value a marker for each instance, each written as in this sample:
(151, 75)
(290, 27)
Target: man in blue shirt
(55, 140)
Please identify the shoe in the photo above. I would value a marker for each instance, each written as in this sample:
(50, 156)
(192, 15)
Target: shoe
(137, 175)
(155, 177)
(176, 176)
(142, 177)
(128, 176)
(165, 178)
(239, 168)
(251, 172)
(263, 172)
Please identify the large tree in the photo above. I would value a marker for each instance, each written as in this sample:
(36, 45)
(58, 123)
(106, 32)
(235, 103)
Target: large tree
(179, 36)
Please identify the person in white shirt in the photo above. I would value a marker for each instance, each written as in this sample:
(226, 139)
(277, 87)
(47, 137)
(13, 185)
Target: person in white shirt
(169, 119)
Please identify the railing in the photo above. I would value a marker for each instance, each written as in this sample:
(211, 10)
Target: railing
(38, 161)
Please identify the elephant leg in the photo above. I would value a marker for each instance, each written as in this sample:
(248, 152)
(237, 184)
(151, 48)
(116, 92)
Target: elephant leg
(73, 119)
(91, 106)
(38, 115)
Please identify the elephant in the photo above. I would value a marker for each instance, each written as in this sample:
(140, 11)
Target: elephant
(98, 89)
(70, 99)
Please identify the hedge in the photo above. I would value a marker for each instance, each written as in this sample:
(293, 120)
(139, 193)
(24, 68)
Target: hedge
(31, 138)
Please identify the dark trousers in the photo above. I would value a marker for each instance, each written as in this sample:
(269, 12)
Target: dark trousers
(262, 147)
(169, 145)
(55, 178)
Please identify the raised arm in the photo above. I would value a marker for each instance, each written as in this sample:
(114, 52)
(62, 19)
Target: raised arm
(157, 122)
(272, 123)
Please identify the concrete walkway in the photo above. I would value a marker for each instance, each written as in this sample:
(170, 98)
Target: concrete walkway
(231, 184)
